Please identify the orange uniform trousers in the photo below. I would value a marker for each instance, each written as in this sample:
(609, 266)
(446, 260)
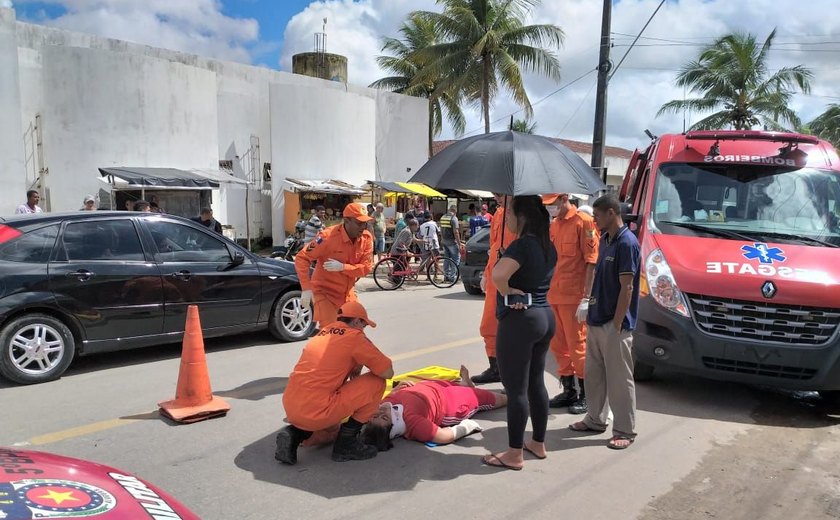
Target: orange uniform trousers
(359, 398)
(489, 324)
(326, 310)
(569, 342)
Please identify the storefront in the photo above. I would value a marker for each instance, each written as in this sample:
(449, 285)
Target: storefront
(302, 196)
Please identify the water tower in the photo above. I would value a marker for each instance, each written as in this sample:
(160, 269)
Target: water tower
(321, 64)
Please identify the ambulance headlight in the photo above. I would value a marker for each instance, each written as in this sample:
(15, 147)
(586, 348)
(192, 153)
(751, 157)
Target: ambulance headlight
(660, 283)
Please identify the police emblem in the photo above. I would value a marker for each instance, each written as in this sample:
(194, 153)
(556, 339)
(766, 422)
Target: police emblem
(48, 498)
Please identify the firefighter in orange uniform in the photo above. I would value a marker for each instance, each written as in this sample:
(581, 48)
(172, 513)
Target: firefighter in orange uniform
(575, 238)
(489, 323)
(326, 387)
(344, 253)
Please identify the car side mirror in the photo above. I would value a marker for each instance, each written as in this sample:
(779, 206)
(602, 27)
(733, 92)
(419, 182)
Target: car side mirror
(238, 259)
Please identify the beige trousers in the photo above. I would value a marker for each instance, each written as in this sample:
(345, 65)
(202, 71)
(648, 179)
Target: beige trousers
(609, 380)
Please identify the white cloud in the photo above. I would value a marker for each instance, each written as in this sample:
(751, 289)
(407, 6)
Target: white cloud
(645, 80)
(194, 26)
(6, 3)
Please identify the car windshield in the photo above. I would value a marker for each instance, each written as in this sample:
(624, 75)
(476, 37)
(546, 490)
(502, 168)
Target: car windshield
(752, 202)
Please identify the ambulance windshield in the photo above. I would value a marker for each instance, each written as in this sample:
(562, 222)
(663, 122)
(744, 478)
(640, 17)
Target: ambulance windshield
(800, 205)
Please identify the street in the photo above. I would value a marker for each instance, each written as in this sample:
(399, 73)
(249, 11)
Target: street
(705, 449)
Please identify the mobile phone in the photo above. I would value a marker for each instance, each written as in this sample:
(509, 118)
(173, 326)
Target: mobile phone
(513, 299)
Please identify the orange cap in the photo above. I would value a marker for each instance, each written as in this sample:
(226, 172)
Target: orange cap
(355, 310)
(550, 198)
(355, 211)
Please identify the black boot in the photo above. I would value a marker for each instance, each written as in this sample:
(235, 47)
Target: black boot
(349, 447)
(491, 375)
(568, 396)
(579, 407)
(288, 440)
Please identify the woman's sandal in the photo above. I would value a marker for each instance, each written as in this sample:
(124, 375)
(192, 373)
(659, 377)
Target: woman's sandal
(529, 450)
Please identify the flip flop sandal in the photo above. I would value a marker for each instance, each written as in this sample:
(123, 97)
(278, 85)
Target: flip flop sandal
(612, 442)
(529, 450)
(500, 463)
(581, 426)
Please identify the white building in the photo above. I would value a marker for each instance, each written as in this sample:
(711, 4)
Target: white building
(73, 103)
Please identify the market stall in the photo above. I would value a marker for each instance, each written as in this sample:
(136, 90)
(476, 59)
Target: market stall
(302, 196)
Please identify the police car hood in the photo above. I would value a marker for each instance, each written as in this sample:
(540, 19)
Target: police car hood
(799, 274)
(42, 485)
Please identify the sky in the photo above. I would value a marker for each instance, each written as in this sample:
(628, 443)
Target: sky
(269, 32)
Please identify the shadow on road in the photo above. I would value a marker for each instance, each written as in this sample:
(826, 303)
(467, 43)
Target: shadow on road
(399, 469)
(257, 389)
(676, 394)
(105, 361)
(460, 296)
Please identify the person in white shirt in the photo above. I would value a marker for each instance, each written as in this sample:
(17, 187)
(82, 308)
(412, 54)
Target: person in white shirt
(430, 233)
(31, 206)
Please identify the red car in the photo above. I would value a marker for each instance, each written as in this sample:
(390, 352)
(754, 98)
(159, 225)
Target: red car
(42, 485)
(740, 233)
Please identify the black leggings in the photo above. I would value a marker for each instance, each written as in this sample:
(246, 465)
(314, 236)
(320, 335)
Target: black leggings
(521, 345)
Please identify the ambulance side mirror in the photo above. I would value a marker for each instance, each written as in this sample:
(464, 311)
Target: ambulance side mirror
(627, 213)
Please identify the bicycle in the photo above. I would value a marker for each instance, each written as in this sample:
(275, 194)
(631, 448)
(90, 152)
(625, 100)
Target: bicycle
(391, 272)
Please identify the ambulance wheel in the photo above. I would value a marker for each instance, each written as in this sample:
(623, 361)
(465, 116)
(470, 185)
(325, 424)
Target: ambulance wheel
(289, 320)
(36, 348)
(642, 371)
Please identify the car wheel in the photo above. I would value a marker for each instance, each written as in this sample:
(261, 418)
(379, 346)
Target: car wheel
(289, 321)
(35, 348)
(830, 397)
(472, 289)
(642, 372)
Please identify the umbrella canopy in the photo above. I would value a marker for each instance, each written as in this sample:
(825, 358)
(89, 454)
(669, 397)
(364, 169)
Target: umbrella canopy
(511, 163)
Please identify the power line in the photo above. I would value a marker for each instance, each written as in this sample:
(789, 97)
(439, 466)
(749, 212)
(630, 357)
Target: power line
(567, 85)
(582, 101)
(612, 73)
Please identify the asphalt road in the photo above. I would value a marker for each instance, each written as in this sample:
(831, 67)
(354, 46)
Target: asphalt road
(705, 449)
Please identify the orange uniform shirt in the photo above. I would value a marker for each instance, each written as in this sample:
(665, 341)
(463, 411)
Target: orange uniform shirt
(324, 365)
(496, 241)
(334, 243)
(576, 241)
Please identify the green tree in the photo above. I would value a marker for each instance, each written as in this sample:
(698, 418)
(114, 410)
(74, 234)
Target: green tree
(731, 77)
(486, 46)
(827, 125)
(524, 125)
(403, 64)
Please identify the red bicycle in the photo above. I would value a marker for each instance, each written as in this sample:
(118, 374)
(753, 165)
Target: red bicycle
(391, 272)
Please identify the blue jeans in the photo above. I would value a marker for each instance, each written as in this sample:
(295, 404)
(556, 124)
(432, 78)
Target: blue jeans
(379, 245)
(452, 251)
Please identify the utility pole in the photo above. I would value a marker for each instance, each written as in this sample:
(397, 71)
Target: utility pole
(604, 66)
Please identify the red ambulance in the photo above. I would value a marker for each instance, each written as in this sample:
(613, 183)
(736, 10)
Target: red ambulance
(740, 235)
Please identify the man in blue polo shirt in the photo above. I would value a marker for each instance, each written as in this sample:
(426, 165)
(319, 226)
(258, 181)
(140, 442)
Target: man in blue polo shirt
(613, 307)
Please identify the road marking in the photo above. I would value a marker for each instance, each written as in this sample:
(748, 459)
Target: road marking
(245, 393)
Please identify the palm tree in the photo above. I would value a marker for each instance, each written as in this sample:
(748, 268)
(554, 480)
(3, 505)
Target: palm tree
(827, 125)
(404, 65)
(486, 46)
(524, 125)
(731, 77)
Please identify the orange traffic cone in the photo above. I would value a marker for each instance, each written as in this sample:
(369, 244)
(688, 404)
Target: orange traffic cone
(194, 400)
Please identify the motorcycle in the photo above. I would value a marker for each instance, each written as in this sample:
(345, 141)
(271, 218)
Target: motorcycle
(293, 244)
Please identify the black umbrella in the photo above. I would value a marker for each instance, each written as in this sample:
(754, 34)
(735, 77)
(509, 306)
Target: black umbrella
(511, 163)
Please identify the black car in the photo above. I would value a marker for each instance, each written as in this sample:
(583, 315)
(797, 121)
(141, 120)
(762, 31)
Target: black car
(89, 282)
(472, 268)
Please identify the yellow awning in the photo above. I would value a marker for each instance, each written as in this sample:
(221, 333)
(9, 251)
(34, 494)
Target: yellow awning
(421, 189)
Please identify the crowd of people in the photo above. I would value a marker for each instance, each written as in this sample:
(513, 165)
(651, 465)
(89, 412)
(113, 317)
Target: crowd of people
(567, 284)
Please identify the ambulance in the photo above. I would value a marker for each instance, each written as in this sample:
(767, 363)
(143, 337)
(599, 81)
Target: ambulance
(740, 236)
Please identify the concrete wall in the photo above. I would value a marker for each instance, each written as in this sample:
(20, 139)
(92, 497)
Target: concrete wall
(12, 172)
(336, 128)
(401, 143)
(108, 102)
(616, 168)
(321, 65)
(106, 108)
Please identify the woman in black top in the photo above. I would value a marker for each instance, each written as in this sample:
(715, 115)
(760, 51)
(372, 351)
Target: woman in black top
(525, 329)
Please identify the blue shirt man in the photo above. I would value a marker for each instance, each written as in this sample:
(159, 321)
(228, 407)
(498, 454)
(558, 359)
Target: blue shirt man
(616, 256)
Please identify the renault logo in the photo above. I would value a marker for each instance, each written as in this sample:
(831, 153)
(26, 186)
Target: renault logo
(768, 290)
